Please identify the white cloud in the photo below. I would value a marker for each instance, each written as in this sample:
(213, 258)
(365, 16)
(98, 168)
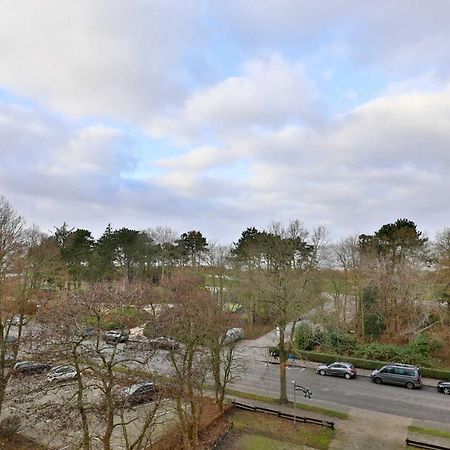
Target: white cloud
(269, 92)
(103, 57)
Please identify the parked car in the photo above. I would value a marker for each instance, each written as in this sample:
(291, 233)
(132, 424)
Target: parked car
(117, 336)
(87, 331)
(164, 343)
(30, 367)
(233, 335)
(337, 369)
(138, 393)
(444, 387)
(63, 372)
(398, 374)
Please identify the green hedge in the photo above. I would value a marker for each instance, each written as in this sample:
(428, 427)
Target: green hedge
(369, 364)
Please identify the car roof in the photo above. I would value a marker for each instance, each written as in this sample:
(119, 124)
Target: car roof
(134, 387)
(408, 366)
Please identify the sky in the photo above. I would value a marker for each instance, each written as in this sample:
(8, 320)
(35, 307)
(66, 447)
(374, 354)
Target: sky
(217, 115)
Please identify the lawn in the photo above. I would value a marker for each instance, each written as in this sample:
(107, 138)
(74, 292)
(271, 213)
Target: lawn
(258, 431)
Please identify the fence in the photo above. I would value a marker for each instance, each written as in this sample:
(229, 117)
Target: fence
(283, 415)
(425, 445)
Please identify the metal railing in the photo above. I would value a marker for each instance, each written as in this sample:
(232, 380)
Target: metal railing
(284, 415)
(425, 445)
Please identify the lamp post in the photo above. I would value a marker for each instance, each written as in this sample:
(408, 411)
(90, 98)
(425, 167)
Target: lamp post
(297, 387)
(295, 411)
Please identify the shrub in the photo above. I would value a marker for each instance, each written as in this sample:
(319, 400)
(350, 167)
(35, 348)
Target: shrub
(341, 343)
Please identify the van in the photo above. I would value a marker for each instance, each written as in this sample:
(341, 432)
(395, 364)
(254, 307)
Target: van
(398, 374)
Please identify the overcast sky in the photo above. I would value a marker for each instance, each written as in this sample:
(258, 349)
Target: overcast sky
(219, 115)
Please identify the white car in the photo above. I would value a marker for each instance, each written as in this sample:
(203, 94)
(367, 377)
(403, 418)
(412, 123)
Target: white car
(63, 372)
(233, 335)
(117, 336)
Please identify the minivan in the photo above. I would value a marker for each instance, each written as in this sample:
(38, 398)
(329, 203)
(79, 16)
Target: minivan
(398, 374)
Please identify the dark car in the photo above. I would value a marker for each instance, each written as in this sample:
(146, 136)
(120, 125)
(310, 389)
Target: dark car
(138, 393)
(398, 374)
(164, 343)
(337, 369)
(444, 387)
(117, 336)
(31, 367)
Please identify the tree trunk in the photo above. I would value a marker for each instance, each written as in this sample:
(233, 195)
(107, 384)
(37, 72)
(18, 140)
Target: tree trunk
(283, 363)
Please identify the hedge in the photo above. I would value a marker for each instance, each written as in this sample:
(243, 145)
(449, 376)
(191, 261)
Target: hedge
(370, 364)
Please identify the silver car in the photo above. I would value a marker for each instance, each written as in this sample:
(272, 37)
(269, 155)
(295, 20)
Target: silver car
(63, 372)
(398, 374)
(337, 369)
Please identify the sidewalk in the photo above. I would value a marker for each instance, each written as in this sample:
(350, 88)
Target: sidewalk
(361, 372)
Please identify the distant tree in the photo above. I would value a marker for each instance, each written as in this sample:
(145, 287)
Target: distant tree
(442, 257)
(193, 245)
(103, 258)
(391, 264)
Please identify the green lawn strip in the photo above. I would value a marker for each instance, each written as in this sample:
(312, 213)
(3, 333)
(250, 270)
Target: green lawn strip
(281, 431)
(256, 442)
(303, 406)
(429, 431)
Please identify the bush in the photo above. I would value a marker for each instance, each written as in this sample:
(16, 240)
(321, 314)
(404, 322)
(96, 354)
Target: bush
(308, 339)
(341, 343)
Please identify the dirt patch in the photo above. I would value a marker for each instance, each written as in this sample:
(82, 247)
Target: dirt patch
(257, 330)
(213, 424)
(19, 442)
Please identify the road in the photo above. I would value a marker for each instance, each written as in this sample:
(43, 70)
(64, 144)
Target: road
(338, 393)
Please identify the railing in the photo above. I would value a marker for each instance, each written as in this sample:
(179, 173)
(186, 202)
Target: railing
(283, 415)
(425, 445)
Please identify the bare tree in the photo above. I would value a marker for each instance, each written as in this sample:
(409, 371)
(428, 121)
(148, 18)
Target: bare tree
(95, 404)
(283, 281)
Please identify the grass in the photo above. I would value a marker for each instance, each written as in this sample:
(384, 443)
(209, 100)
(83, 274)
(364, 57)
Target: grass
(255, 442)
(303, 406)
(429, 431)
(258, 431)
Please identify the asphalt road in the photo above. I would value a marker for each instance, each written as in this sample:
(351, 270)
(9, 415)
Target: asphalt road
(341, 394)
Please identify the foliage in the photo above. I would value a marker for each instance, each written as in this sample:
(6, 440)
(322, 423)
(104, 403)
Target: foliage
(308, 338)
(374, 321)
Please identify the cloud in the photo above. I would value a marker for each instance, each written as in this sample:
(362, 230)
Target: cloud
(98, 58)
(385, 159)
(269, 92)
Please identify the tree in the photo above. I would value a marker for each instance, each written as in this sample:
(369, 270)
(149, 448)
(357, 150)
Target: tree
(193, 246)
(17, 288)
(93, 405)
(392, 267)
(442, 258)
(282, 281)
(199, 323)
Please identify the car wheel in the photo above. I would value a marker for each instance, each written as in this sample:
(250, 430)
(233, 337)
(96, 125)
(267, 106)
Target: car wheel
(410, 385)
(378, 380)
(347, 376)
(322, 372)
(446, 391)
